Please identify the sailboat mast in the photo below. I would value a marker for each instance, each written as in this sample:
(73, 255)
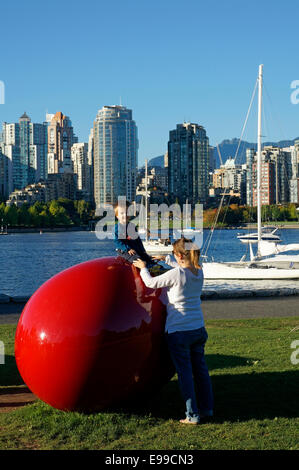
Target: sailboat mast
(146, 202)
(259, 159)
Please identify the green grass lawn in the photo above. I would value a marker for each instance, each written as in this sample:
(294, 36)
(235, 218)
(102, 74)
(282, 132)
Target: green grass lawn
(256, 400)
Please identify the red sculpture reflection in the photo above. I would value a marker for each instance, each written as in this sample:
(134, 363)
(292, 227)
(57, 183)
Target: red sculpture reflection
(92, 337)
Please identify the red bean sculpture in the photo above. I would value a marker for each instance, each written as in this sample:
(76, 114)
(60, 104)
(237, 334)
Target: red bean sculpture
(91, 337)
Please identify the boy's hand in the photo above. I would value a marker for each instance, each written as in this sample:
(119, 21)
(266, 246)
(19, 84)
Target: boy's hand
(159, 257)
(132, 252)
(139, 263)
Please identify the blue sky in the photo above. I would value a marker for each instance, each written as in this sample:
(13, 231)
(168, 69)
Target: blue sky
(169, 61)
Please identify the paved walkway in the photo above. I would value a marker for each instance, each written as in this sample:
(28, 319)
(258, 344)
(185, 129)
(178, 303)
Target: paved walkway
(252, 307)
(257, 307)
(10, 312)
(12, 398)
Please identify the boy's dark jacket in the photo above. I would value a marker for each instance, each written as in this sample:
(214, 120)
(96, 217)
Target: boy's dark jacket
(127, 243)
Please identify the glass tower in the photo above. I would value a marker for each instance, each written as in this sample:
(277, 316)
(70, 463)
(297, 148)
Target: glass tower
(188, 164)
(115, 155)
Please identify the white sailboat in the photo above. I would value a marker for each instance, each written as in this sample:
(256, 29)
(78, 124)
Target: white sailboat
(268, 234)
(272, 253)
(141, 228)
(261, 265)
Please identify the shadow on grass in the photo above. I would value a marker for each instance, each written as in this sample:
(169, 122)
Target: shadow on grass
(222, 361)
(238, 397)
(9, 374)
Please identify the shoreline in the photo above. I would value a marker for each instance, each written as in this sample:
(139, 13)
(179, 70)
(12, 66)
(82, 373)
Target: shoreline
(253, 227)
(86, 228)
(207, 294)
(45, 230)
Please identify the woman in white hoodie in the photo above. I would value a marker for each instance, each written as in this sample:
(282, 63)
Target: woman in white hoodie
(185, 330)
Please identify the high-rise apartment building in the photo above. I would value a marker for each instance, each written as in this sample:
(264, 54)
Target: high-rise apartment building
(5, 168)
(267, 183)
(276, 173)
(294, 181)
(250, 153)
(61, 138)
(115, 150)
(25, 145)
(188, 164)
(90, 159)
(82, 170)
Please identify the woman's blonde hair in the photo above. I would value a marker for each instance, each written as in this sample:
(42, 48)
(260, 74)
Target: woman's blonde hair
(189, 249)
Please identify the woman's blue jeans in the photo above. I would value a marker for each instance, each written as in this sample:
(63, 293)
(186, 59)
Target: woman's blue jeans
(187, 352)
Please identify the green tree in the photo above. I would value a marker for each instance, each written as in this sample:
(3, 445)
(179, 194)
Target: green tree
(24, 215)
(292, 212)
(266, 213)
(39, 206)
(45, 219)
(83, 210)
(34, 216)
(59, 215)
(70, 206)
(249, 214)
(2, 213)
(275, 213)
(11, 215)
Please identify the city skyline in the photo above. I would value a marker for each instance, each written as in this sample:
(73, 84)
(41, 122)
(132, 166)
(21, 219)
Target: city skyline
(225, 140)
(106, 167)
(197, 64)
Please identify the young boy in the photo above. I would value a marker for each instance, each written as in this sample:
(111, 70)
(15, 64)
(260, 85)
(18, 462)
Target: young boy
(130, 248)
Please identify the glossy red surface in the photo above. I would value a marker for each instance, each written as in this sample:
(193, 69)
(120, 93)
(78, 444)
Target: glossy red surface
(92, 337)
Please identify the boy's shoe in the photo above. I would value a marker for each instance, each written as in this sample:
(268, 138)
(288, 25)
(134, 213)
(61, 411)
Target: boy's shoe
(189, 421)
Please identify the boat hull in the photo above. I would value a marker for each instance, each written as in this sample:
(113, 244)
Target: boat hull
(242, 271)
(157, 249)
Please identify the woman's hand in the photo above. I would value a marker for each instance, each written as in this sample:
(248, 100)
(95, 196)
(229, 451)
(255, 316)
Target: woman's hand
(132, 252)
(139, 263)
(159, 257)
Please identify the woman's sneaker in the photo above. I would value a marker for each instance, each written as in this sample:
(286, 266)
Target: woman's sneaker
(190, 421)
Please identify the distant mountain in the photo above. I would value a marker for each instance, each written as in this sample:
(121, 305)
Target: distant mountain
(228, 148)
